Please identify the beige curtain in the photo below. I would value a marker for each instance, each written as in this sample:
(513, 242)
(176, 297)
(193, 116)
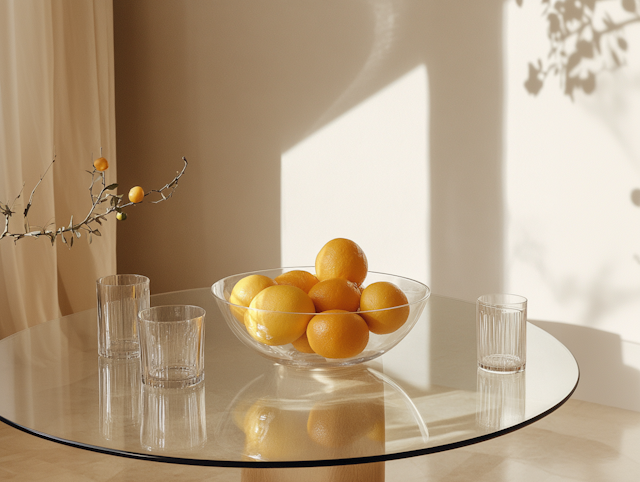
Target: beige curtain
(56, 98)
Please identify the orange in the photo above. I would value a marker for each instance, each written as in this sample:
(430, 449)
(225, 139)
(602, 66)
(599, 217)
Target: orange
(335, 294)
(378, 432)
(136, 194)
(384, 296)
(245, 290)
(279, 314)
(337, 334)
(297, 277)
(101, 164)
(302, 344)
(239, 411)
(341, 423)
(273, 432)
(342, 258)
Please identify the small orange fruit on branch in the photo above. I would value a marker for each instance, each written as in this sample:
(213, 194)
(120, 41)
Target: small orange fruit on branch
(101, 164)
(136, 194)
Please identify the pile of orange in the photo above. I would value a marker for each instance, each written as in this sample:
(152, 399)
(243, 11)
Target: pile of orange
(330, 313)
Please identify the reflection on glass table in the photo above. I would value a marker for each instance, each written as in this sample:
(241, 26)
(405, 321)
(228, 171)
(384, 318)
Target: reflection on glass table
(501, 399)
(321, 415)
(119, 396)
(424, 396)
(173, 420)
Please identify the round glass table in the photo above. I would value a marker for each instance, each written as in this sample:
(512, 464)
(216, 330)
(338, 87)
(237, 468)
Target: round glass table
(424, 396)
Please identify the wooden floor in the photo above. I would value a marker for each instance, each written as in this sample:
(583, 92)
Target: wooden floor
(579, 442)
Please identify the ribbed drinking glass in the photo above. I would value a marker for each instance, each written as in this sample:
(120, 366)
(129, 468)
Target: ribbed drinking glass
(172, 345)
(120, 297)
(501, 327)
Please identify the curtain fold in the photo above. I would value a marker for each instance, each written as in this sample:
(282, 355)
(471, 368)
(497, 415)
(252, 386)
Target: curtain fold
(56, 98)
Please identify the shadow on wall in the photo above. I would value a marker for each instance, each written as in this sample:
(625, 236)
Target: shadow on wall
(232, 85)
(229, 85)
(586, 39)
(604, 377)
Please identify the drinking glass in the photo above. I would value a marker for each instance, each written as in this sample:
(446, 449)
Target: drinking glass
(501, 330)
(120, 297)
(172, 345)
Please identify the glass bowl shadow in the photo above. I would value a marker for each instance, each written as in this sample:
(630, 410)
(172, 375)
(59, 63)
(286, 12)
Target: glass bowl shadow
(416, 292)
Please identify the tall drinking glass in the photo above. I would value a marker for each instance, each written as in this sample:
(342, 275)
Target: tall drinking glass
(501, 330)
(120, 297)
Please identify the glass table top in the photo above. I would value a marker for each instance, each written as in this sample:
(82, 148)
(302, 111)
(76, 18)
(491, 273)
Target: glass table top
(426, 395)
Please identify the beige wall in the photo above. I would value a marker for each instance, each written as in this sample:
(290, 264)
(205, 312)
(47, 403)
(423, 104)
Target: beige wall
(231, 85)
(234, 84)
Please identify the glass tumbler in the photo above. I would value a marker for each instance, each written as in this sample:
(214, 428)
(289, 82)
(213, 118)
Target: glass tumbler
(501, 331)
(120, 297)
(172, 345)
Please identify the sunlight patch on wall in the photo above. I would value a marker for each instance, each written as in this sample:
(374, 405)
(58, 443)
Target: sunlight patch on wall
(573, 232)
(364, 177)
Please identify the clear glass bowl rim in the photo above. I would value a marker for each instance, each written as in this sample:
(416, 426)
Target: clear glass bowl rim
(307, 268)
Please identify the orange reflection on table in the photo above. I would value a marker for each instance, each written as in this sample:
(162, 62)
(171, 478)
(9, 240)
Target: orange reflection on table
(294, 414)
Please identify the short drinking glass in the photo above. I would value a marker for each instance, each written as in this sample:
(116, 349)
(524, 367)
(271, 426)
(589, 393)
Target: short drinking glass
(501, 330)
(120, 297)
(172, 345)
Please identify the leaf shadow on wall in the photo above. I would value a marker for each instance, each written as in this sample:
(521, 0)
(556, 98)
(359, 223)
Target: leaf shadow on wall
(586, 38)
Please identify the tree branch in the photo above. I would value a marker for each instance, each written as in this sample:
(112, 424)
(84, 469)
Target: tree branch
(93, 216)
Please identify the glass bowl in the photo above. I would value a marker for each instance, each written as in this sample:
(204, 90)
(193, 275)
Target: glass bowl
(417, 295)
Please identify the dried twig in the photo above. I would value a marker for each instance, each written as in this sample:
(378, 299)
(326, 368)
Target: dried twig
(94, 218)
